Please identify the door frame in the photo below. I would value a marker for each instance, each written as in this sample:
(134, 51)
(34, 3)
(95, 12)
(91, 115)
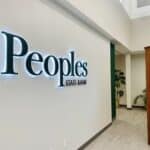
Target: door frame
(113, 95)
(147, 61)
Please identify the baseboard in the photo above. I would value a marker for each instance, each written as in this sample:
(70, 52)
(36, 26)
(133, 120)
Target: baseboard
(93, 138)
(134, 106)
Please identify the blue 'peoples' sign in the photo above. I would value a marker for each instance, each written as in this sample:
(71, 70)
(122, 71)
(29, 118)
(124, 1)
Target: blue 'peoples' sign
(68, 70)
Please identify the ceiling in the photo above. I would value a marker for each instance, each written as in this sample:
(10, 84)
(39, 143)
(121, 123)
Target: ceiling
(142, 3)
(136, 8)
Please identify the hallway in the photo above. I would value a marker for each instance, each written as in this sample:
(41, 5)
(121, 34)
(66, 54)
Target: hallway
(128, 132)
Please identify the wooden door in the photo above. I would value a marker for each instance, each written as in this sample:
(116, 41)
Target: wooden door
(147, 60)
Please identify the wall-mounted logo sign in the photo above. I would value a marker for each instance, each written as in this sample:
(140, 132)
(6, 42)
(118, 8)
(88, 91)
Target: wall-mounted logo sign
(68, 70)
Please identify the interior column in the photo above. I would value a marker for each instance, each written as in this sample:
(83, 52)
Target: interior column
(128, 80)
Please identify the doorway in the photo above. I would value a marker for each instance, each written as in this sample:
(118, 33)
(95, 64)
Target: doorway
(137, 110)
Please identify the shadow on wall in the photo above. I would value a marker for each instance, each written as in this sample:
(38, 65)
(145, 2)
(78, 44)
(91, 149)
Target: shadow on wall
(67, 10)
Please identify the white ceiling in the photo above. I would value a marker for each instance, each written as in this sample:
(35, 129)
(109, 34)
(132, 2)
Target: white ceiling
(136, 8)
(142, 3)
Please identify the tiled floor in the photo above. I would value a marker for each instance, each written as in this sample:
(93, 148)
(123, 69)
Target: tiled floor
(128, 132)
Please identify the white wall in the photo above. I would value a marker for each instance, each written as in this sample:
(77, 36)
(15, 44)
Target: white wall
(120, 65)
(127, 4)
(140, 34)
(109, 15)
(34, 114)
(138, 75)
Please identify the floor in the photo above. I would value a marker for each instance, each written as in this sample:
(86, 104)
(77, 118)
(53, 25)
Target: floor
(128, 132)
